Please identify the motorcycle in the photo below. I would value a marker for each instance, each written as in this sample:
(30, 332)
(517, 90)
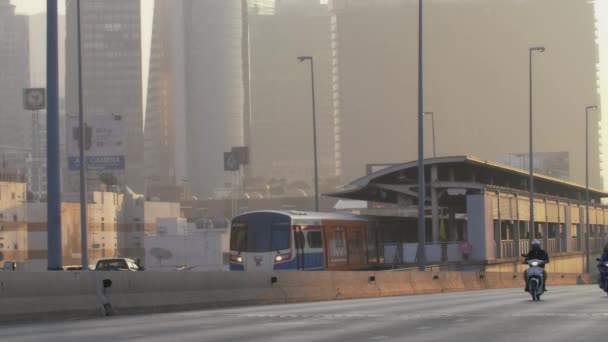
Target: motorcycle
(535, 279)
(603, 276)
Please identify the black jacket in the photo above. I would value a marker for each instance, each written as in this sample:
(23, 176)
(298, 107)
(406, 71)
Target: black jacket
(539, 255)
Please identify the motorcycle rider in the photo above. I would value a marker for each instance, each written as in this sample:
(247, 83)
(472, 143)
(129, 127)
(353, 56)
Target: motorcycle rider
(604, 257)
(537, 253)
(600, 265)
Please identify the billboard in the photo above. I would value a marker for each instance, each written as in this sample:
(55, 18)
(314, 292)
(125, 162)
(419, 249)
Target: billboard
(104, 142)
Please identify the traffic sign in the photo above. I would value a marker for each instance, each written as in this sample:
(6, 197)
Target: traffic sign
(231, 161)
(34, 98)
(242, 153)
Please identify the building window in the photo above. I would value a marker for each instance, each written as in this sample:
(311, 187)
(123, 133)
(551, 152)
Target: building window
(103, 226)
(13, 195)
(15, 218)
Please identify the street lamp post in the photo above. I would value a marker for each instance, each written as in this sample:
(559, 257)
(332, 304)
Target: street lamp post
(421, 182)
(587, 241)
(433, 129)
(314, 126)
(52, 141)
(83, 165)
(531, 227)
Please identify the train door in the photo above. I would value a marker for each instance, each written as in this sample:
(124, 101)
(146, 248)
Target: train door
(299, 245)
(336, 256)
(313, 248)
(355, 247)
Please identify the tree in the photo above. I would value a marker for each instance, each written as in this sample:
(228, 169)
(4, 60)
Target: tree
(108, 179)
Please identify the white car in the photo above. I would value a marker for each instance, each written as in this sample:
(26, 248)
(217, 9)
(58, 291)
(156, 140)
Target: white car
(117, 264)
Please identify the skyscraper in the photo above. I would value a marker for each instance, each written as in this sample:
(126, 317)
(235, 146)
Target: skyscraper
(476, 80)
(197, 94)
(112, 75)
(281, 113)
(15, 138)
(37, 47)
(37, 62)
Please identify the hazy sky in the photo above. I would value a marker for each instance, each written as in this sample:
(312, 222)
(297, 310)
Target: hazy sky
(37, 6)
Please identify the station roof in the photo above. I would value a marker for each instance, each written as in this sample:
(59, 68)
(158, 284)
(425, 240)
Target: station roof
(458, 172)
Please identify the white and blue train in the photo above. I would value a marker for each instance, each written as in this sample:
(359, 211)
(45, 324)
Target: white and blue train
(267, 241)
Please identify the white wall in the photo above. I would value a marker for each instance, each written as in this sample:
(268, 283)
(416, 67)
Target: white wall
(202, 250)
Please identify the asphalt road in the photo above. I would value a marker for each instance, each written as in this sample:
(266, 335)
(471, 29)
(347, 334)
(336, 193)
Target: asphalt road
(575, 313)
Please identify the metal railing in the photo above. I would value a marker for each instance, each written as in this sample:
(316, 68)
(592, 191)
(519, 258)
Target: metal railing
(507, 249)
(524, 246)
(551, 246)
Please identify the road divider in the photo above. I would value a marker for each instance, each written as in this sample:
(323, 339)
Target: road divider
(61, 295)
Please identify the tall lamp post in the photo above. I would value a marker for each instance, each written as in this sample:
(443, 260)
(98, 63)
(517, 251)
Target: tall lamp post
(432, 115)
(82, 158)
(421, 182)
(531, 227)
(314, 126)
(587, 238)
(52, 141)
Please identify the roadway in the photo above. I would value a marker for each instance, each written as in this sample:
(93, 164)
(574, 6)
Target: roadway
(577, 313)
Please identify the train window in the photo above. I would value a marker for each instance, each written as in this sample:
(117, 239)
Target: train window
(280, 238)
(340, 238)
(314, 239)
(238, 237)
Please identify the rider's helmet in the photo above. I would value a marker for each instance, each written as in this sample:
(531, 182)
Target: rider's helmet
(535, 245)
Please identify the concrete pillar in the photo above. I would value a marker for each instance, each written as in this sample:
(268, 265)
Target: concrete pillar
(558, 237)
(434, 204)
(497, 231)
(545, 231)
(567, 247)
(515, 227)
(478, 227)
(598, 237)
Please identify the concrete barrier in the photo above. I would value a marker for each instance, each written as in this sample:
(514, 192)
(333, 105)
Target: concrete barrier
(47, 295)
(425, 282)
(395, 283)
(57, 295)
(473, 280)
(451, 282)
(355, 285)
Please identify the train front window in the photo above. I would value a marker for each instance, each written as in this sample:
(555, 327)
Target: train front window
(238, 237)
(280, 237)
(258, 237)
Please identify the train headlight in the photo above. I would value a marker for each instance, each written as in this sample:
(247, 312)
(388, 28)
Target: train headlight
(282, 257)
(236, 259)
